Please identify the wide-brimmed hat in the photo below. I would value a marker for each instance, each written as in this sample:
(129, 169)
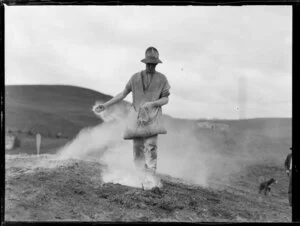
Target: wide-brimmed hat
(151, 56)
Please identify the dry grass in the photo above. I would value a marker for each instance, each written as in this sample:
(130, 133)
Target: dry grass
(73, 190)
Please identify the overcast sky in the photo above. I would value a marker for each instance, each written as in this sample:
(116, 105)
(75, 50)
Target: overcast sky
(221, 62)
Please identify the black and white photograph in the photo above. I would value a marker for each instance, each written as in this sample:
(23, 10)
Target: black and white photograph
(148, 113)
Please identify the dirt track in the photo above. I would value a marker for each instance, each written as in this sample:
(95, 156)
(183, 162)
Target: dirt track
(46, 189)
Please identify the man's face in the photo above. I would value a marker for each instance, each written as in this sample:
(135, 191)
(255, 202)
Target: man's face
(150, 68)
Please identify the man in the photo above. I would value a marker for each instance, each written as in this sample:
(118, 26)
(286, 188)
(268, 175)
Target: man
(288, 168)
(150, 91)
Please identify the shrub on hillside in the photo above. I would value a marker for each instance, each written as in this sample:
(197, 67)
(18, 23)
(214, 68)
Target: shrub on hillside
(59, 135)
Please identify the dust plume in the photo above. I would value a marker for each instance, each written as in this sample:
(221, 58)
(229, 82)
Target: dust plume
(183, 153)
(195, 157)
(105, 143)
(92, 142)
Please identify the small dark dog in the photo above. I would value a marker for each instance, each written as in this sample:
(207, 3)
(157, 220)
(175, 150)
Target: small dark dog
(265, 186)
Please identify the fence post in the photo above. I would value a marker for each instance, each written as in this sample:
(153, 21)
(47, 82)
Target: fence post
(38, 143)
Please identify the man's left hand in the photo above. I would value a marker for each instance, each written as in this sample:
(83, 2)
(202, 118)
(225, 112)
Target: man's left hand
(148, 105)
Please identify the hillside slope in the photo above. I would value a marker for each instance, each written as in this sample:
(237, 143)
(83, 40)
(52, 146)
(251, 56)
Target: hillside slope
(50, 108)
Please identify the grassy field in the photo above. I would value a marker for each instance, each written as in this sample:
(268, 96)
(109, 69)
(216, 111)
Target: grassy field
(48, 189)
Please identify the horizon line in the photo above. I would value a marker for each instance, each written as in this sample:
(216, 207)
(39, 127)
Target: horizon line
(195, 119)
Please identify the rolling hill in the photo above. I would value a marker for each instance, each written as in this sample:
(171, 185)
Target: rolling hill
(50, 108)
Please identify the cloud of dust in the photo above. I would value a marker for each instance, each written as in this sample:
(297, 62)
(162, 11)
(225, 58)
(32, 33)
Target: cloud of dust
(105, 143)
(188, 155)
(92, 142)
(180, 153)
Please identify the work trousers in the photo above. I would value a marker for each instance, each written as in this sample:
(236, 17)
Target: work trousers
(145, 153)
